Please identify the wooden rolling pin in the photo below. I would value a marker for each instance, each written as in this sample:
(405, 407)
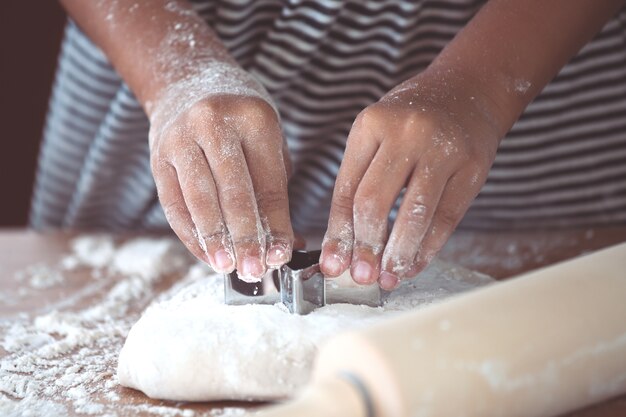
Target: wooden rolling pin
(542, 344)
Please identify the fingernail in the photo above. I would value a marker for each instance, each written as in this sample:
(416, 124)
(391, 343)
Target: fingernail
(362, 272)
(277, 256)
(332, 264)
(388, 281)
(252, 267)
(223, 261)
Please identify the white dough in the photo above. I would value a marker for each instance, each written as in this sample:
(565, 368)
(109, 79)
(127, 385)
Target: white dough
(190, 346)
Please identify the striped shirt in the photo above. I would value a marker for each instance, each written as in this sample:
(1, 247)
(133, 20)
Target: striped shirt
(562, 164)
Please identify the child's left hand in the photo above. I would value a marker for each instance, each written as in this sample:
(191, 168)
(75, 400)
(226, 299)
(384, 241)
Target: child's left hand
(437, 137)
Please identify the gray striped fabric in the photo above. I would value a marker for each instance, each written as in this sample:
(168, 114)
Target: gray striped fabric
(563, 163)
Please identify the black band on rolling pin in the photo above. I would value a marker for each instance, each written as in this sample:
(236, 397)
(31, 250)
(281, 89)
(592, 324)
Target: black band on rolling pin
(356, 382)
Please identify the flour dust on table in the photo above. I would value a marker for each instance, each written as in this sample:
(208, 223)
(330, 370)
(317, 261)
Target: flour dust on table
(60, 358)
(190, 346)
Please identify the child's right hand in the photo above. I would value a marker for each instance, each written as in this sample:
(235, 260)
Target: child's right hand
(216, 148)
(221, 169)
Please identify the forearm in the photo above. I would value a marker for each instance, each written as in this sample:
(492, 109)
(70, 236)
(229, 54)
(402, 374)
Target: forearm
(513, 48)
(151, 43)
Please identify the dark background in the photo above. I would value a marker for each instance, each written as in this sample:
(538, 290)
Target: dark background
(30, 36)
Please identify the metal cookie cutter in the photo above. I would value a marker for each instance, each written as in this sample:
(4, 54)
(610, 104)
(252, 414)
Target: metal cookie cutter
(300, 286)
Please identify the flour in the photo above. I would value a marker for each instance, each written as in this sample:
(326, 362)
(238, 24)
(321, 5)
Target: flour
(216, 78)
(190, 346)
(508, 255)
(64, 358)
(522, 86)
(33, 279)
(39, 277)
(229, 412)
(93, 251)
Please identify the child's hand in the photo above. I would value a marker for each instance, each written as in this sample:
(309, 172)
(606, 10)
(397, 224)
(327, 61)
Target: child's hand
(220, 166)
(436, 138)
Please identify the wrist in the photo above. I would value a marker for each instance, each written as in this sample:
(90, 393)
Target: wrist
(473, 91)
(211, 78)
(215, 78)
(461, 96)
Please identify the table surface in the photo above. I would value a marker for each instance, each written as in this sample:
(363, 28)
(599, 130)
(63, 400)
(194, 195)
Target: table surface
(499, 254)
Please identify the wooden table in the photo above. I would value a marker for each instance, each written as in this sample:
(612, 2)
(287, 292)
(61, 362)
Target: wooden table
(500, 255)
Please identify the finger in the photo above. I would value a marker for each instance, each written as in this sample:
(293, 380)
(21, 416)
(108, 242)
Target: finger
(458, 195)
(263, 150)
(175, 210)
(299, 242)
(287, 160)
(374, 199)
(200, 194)
(414, 217)
(237, 202)
(337, 244)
